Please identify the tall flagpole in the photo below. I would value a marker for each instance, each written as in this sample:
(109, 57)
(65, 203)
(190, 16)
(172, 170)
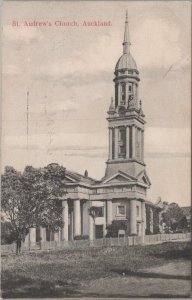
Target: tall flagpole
(27, 118)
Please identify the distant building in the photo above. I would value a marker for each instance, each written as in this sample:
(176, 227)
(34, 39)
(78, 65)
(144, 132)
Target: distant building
(122, 193)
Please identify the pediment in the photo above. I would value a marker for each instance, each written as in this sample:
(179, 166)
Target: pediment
(70, 179)
(120, 177)
(143, 178)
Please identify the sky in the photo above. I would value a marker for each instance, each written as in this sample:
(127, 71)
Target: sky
(69, 72)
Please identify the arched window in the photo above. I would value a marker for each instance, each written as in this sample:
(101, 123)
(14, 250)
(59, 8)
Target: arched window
(122, 142)
(123, 87)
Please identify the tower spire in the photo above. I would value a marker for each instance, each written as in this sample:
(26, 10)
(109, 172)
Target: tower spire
(126, 42)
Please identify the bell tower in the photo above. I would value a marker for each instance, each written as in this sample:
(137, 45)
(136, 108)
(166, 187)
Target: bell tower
(126, 117)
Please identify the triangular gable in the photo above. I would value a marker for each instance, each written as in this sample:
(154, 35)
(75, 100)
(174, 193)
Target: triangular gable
(70, 179)
(119, 177)
(143, 177)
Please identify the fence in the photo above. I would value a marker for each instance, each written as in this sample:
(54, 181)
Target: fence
(104, 242)
(151, 239)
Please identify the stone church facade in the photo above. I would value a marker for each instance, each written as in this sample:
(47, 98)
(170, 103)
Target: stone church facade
(122, 193)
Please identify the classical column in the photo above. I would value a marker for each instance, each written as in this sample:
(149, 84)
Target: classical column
(133, 141)
(77, 218)
(151, 220)
(110, 142)
(127, 142)
(43, 234)
(116, 142)
(109, 212)
(105, 217)
(56, 236)
(91, 225)
(85, 218)
(133, 221)
(26, 242)
(137, 92)
(71, 226)
(142, 145)
(64, 231)
(127, 94)
(32, 236)
(143, 219)
(119, 94)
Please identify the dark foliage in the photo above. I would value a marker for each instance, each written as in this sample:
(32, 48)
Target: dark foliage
(81, 237)
(174, 218)
(112, 230)
(30, 199)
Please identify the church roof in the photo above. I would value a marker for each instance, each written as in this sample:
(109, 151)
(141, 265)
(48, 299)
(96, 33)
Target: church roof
(76, 177)
(126, 61)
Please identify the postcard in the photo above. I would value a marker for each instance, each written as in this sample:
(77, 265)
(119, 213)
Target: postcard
(95, 136)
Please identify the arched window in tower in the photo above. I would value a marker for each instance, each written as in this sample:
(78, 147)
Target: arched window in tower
(130, 87)
(122, 142)
(123, 87)
(116, 95)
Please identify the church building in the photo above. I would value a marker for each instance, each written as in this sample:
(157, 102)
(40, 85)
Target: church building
(122, 193)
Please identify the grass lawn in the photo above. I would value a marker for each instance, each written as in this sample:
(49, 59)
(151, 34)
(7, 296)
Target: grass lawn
(96, 272)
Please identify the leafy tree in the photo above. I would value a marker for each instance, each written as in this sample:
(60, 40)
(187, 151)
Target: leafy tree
(7, 236)
(31, 199)
(174, 218)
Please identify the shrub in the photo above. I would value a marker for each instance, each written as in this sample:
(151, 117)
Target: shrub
(147, 231)
(112, 230)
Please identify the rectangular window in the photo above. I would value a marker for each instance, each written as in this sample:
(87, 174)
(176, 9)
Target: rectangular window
(122, 151)
(122, 142)
(99, 212)
(121, 210)
(130, 88)
(123, 93)
(137, 211)
(122, 135)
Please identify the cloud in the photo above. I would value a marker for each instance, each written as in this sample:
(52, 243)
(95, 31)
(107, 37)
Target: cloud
(159, 37)
(75, 78)
(159, 143)
(20, 34)
(156, 155)
(54, 107)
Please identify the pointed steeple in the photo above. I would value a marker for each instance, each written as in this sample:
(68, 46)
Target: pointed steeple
(126, 42)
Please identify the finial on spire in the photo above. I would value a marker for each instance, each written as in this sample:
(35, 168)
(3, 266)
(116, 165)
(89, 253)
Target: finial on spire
(126, 42)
